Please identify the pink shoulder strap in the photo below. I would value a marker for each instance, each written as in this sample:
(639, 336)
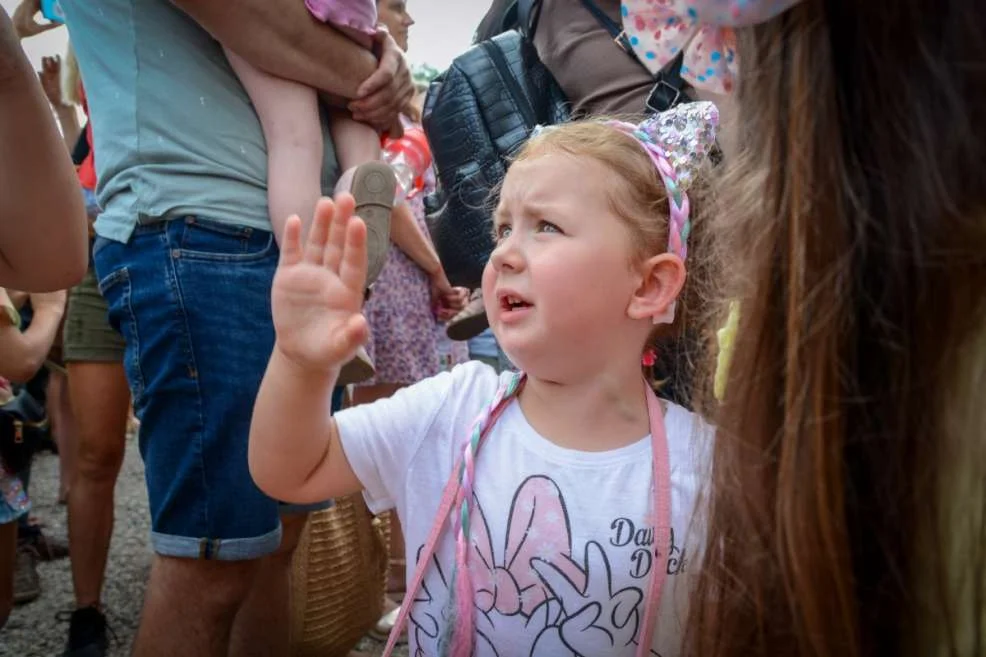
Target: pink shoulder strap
(662, 508)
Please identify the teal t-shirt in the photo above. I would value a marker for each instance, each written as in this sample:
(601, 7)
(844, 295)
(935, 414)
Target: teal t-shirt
(174, 131)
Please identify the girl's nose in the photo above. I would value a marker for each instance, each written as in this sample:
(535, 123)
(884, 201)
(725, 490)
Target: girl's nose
(507, 256)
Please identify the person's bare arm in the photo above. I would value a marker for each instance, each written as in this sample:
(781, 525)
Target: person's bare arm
(43, 228)
(315, 304)
(50, 76)
(281, 38)
(409, 238)
(407, 235)
(23, 354)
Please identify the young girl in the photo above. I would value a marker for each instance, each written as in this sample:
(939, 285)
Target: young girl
(573, 502)
(289, 115)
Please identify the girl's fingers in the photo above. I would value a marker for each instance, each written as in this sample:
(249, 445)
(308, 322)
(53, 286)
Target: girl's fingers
(318, 234)
(337, 237)
(352, 270)
(346, 206)
(291, 241)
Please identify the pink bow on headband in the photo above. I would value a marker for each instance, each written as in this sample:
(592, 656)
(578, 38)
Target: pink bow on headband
(660, 29)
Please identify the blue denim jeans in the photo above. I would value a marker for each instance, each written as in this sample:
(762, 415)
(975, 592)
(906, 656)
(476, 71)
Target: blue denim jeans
(192, 300)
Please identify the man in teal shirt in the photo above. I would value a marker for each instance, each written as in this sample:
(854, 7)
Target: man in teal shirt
(185, 256)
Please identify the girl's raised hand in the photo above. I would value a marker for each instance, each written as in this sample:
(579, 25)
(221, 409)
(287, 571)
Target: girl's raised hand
(318, 289)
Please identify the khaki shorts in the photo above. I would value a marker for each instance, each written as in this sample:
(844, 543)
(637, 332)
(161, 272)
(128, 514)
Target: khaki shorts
(88, 336)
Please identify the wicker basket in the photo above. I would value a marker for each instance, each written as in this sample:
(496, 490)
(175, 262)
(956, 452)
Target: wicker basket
(339, 577)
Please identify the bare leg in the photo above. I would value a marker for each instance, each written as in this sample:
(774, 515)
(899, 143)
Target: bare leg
(64, 429)
(101, 402)
(8, 555)
(355, 143)
(288, 112)
(263, 624)
(190, 605)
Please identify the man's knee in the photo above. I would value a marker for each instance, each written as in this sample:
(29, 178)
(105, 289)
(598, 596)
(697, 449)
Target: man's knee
(100, 460)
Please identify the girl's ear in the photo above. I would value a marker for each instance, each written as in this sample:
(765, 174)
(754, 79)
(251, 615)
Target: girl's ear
(662, 278)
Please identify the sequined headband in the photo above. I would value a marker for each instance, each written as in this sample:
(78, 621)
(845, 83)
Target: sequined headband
(677, 141)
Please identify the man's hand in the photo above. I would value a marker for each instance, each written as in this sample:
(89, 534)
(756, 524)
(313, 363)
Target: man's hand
(25, 22)
(382, 96)
(50, 76)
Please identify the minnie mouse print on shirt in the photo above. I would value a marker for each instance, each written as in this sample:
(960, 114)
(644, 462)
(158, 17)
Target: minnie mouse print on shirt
(562, 541)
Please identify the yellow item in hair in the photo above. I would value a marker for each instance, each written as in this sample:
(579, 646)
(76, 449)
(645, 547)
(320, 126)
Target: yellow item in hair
(727, 339)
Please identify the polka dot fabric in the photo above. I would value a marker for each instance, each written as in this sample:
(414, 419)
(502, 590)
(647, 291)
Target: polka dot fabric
(660, 29)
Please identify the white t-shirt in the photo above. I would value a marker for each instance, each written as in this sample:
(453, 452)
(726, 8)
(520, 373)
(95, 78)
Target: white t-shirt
(562, 541)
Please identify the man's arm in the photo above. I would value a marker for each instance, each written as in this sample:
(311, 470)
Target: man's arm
(43, 228)
(281, 38)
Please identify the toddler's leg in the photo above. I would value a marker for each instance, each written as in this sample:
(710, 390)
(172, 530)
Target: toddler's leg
(355, 143)
(371, 182)
(288, 112)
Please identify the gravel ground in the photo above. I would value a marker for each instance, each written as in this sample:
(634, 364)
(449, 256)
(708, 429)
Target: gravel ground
(34, 629)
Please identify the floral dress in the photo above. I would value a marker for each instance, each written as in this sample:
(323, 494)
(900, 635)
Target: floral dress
(407, 344)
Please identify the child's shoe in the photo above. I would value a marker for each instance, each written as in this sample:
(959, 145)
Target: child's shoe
(373, 188)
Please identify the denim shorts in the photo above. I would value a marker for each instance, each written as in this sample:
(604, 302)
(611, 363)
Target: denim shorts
(192, 300)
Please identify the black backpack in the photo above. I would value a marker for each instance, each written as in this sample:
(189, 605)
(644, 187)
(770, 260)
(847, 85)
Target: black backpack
(477, 114)
(480, 111)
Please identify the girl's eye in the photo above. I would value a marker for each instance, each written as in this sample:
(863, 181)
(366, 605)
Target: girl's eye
(548, 227)
(503, 232)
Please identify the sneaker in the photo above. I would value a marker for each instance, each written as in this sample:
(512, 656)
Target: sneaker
(46, 548)
(359, 369)
(471, 320)
(27, 583)
(381, 631)
(373, 188)
(87, 634)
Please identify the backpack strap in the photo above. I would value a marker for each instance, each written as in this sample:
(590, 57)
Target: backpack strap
(668, 84)
(528, 15)
(615, 29)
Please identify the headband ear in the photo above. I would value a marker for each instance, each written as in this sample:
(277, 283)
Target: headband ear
(687, 134)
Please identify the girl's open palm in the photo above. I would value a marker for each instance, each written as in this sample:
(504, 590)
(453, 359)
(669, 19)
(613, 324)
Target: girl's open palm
(318, 289)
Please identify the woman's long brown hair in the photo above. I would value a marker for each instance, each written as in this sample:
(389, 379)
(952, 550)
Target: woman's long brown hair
(845, 514)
